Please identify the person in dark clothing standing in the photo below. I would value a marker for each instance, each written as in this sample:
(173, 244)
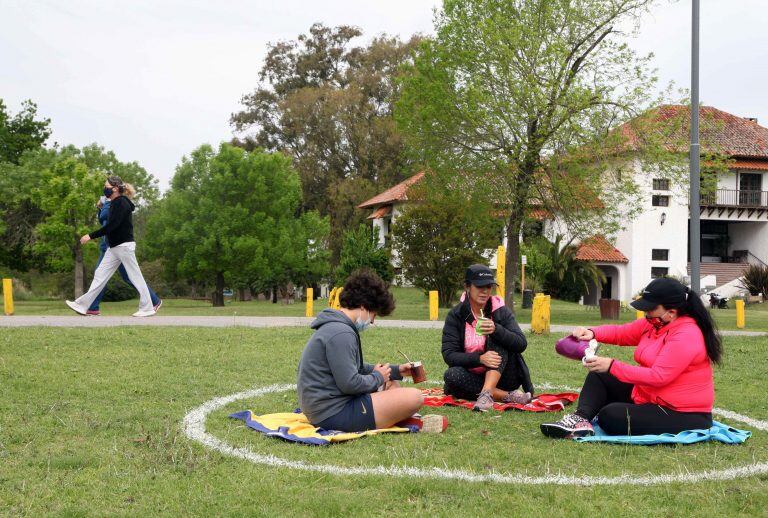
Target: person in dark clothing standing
(122, 250)
(483, 345)
(102, 214)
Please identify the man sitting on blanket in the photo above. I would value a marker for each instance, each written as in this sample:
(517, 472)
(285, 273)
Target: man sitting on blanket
(483, 345)
(337, 390)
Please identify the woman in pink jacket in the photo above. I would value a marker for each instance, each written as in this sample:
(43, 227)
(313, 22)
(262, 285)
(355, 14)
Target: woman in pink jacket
(670, 390)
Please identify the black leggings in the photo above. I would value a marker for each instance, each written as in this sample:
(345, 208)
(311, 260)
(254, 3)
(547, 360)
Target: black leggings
(604, 396)
(461, 383)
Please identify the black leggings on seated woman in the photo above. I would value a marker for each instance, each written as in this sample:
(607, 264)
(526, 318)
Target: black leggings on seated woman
(610, 400)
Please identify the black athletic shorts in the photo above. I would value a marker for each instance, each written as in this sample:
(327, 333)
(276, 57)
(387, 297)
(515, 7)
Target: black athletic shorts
(356, 416)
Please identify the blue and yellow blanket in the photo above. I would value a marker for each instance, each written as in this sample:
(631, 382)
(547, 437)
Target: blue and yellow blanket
(295, 427)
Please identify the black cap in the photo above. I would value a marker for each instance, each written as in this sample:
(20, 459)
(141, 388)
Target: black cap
(479, 275)
(665, 291)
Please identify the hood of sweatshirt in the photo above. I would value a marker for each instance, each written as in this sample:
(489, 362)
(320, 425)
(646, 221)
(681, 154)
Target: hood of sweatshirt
(130, 203)
(328, 315)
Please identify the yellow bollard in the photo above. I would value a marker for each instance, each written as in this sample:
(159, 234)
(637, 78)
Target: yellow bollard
(337, 299)
(433, 305)
(501, 269)
(8, 296)
(638, 314)
(741, 316)
(541, 314)
(310, 312)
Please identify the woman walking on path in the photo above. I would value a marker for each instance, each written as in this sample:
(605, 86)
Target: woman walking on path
(483, 345)
(102, 215)
(670, 390)
(122, 250)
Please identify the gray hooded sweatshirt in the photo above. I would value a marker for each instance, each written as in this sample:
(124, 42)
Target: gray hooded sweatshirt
(331, 369)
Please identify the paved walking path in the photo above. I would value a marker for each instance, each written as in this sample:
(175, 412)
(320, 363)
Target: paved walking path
(213, 321)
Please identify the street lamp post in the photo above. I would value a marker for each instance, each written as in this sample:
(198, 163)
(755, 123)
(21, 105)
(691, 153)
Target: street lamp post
(695, 201)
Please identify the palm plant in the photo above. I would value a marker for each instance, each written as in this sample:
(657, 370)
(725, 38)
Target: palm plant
(570, 278)
(755, 279)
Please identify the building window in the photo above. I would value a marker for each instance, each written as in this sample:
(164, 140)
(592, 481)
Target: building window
(660, 201)
(657, 272)
(659, 254)
(661, 184)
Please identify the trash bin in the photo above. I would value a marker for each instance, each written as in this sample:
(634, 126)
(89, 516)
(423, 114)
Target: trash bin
(527, 299)
(609, 309)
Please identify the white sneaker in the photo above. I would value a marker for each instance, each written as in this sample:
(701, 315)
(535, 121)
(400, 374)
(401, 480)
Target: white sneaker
(145, 313)
(74, 306)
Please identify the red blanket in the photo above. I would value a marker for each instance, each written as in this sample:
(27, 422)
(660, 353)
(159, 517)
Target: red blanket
(541, 403)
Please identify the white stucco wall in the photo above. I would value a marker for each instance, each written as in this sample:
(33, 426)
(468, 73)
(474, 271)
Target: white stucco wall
(752, 236)
(727, 181)
(646, 232)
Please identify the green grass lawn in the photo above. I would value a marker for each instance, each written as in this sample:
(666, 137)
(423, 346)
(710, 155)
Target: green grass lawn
(90, 424)
(412, 304)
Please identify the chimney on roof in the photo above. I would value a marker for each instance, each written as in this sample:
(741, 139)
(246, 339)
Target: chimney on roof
(752, 119)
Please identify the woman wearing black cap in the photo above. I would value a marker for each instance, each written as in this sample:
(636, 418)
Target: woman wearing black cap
(482, 345)
(671, 388)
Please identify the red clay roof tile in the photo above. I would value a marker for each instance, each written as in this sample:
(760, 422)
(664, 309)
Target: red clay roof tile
(598, 249)
(396, 193)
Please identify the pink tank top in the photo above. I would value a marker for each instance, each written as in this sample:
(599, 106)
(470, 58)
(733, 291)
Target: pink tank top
(474, 343)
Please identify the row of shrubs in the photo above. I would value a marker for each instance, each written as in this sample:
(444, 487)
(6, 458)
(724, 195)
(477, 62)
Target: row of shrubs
(35, 285)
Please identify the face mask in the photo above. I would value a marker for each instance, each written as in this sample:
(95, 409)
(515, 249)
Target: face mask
(361, 325)
(657, 322)
(108, 192)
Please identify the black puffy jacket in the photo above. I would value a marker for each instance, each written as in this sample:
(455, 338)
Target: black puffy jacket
(507, 336)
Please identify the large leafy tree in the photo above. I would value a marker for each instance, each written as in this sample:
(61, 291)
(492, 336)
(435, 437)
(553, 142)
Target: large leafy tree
(438, 237)
(64, 186)
(525, 96)
(361, 250)
(20, 133)
(66, 192)
(328, 104)
(233, 217)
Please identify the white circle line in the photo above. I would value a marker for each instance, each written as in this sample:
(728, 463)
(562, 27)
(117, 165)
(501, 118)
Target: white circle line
(194, 429)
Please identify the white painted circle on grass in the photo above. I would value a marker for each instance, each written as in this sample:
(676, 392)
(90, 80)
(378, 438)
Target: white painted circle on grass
(194, 428)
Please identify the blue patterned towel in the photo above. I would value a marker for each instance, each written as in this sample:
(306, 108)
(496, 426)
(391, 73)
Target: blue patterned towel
(719, 432)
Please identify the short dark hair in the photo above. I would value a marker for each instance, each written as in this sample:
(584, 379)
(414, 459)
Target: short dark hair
(365, 288)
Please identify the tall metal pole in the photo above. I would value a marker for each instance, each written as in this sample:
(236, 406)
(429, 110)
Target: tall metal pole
(694, 237)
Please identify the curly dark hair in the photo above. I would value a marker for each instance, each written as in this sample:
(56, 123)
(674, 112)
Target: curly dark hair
(365, 288)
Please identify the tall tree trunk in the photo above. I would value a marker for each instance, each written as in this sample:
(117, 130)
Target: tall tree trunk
(79, 270)
(274, 295)
(514, 226)
(218, 295)
(445, 297)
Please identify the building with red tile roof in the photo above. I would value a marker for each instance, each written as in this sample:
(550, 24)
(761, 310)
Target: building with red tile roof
(734, 218)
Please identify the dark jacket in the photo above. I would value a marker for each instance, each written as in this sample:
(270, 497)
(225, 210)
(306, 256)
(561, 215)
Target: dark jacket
(332, 370)
(507, 336)
(102, 215)
(119, 227)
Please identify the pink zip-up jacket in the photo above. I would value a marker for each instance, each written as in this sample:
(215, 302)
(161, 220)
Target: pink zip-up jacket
(673, 368)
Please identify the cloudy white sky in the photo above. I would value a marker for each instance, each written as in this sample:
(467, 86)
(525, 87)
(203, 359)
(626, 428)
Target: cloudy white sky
(153, 79)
